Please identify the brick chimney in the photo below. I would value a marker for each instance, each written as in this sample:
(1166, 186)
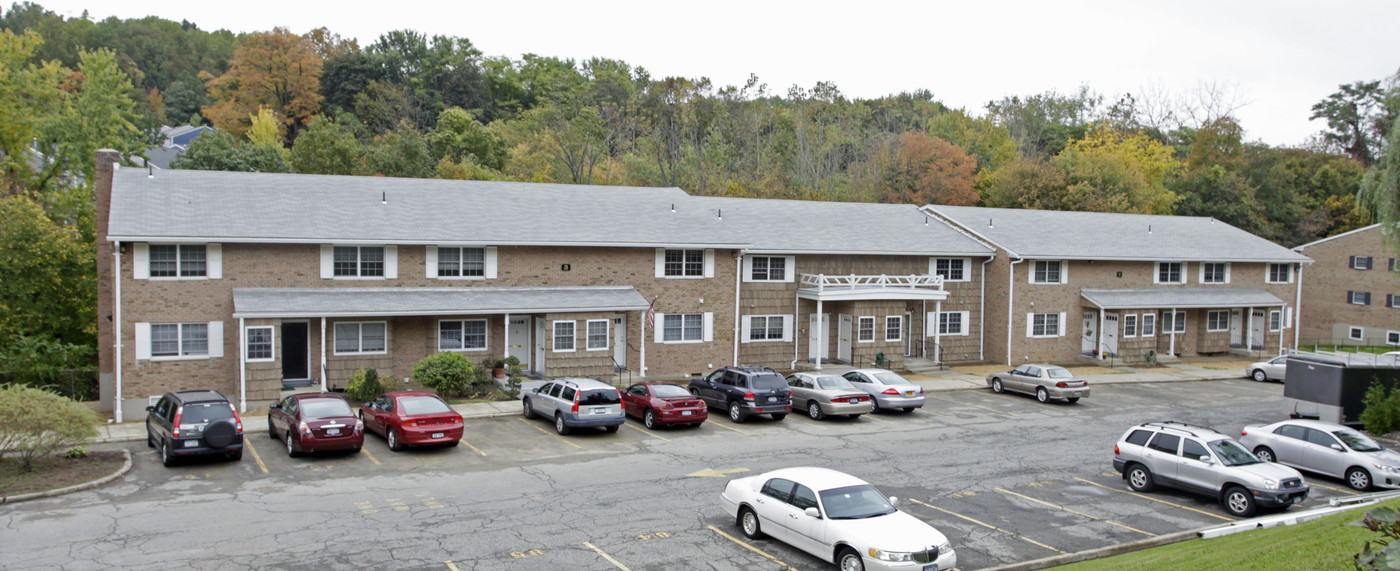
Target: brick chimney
(108, 161)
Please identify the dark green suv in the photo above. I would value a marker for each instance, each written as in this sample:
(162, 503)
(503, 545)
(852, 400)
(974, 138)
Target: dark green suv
(194, 423)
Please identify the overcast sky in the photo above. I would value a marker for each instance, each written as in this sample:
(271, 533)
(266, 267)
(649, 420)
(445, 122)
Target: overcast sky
(1279, 56)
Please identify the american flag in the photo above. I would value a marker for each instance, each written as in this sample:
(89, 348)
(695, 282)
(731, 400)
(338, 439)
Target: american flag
(651, 314)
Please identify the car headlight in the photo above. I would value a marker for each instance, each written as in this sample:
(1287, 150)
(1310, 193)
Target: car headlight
(883, 555)
(1385, 468)
(1271, 484)
(945, 547)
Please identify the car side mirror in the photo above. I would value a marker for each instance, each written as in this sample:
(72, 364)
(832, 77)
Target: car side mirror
(1338, 447)
(812, 512)
(274, 406)
(1206, 459)
(150, 409)
(893, 500)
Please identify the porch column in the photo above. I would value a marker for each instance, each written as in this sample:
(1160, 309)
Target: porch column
(937, 330)
(242, 370)
(1172, 325)
(821, 335)
(323, 354)
(1249, 329)
(505, 337)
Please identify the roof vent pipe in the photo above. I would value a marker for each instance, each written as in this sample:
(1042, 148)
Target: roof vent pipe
(989, 223)
(673, 207)
(719, 214)
(925, 220)
(150, 171)
(1149, 228)
(384, 197)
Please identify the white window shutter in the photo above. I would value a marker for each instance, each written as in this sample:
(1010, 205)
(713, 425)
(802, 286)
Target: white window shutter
(657, 335)
(327, 261)
(1287, 317)
(1062, 324)
(1064, 273)
(966, 323)
(709, 263)
(143, 341)
(787, 328)
(1030, 324)
(391, 262)
(214, 261)
(745, 326)
(141, 262)
(930, 323)
(748, 271)
(430, 262)
(216, 339)
(660, 268)
(709, 326)
(791, 267)
(490, 263)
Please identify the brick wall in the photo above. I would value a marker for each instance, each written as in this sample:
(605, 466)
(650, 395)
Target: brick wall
(1327, 313)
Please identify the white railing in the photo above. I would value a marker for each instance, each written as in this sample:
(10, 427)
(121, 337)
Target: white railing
(854, 282)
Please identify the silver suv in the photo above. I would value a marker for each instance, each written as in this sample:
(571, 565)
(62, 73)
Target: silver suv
(576, 403)
(1200, 460)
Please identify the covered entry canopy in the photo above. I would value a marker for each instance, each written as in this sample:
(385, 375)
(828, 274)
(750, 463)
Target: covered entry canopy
(1179, 298)
(251, 303)
(840, 288)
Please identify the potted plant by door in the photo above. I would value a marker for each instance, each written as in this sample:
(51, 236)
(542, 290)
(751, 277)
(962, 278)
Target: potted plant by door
(498, 369)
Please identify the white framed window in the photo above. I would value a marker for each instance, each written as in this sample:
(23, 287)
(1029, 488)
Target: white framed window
(1173, 323)
(462, 335)
(1149, 324)
(1392, 300)
(258, 344)
(1048, 272)
(894, 328)
(1359, 297)
(1275, 321)
(177, 261)
(598, 334)
(177, 341)
(1215, 272)
(1218, 321)
(865, 329)
(769, 268)
(1356, 333)
(359, 262)
(361, 338)
(1279, 274)
(685, 264)
(460, 262)
(952, 269)
(1169, 273)
(1360, 262)
(761, 328)
(1045, 324)
(1130, 328)
(685, 327)
(949, 323)
(564, 336)
(1392, 337)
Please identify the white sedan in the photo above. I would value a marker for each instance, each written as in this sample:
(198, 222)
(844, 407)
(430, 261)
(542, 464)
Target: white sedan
(836, 517)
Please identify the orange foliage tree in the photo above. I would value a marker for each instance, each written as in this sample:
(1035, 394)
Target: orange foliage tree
(278, 70)
(920, 169)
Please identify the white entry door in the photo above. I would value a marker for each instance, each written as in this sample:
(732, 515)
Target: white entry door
(1256, 329)
(518, 341)
(1236, 328)
(538, 342)
(620, 340)
(1110, 333)
(818, 351)
(843, 338)
(1089, 340)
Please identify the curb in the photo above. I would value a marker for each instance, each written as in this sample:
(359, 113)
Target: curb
(1103, 552)
(126, 467)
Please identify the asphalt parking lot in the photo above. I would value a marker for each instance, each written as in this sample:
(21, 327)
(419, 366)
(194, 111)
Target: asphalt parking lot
(1006, 478)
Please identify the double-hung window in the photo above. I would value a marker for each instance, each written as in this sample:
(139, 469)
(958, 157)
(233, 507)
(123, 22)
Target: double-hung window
(1045, 325)
(1356, 333)
(178, 260)
(766, 327)
(1149, 324)
(564, 336)
(598, 334)
(368, 337)
(455, 262)
(894, 328)
(951, 269)
(359, 261)
(768, 269)
(259, 340)
(462, 335)
(678, 327)
(1360, 262)
(1359, 297)
(1173, 323)
(1130, 328)
(1392, 337)
(1169, 273)
(1048, 272)
(1217, 320)
(685, 263)
(179, 339)
(1215, 273)
(952, 323)
(1280, 274)
(865, 329)
(1275, 320)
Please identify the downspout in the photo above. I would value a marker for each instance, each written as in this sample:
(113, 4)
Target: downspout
(642, 353)
(796, 318)
(738, 275)
(324, 369)
(1010, 305)
(117, 328)
(982, 315)
(1101, 346)
(1297, 310)
(242, 368)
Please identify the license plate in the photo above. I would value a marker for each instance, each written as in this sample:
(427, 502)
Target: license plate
(931, 567)
(437, 435)
(1078, 393)
(685, 413)
(772, 399)
(332, 432)
(909, 393)
(852, 401)
(599, 410)
(191, 444)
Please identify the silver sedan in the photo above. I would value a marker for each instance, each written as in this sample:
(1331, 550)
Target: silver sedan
(1325, 448)
(889, 390)
(821, 395)
(1271, 370)
(1043, 381)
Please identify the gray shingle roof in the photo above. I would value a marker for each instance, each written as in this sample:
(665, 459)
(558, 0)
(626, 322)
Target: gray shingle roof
(1105, 236)
(368, 302)
(1185, 297)
(803, 226)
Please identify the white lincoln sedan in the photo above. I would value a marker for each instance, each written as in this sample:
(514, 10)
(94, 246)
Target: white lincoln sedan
(837, 517)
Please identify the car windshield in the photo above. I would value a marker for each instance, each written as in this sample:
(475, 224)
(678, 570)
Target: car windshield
(599, 397)
(768, 381)
(1231, 453)
(205, 412)
(833, 382)
(1058, 373)
(423, 405)
(1357, 441)
(855, 502)
(892, 379)
(323, 408)
(669, 391)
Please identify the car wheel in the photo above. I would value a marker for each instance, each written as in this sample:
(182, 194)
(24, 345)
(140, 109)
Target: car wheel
(996, 386)
(272, 429)
(849, 560)
(1042, 395)
(1359, 479)
(559, 425)
(736, 413)
(748, 522)
(391, 437)
(165, 457)
(814, 410)
(529, 412)
(291, 448)
(1139, 478)
(649, 419)
(875, 408)
(1239, 502)
(1264, 454)
(1259, 375)
(779, 416)
(1072, 400)
(235, 455)
(611, 429)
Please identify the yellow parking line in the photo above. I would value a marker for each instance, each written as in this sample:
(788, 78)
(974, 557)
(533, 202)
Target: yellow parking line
(1075, 512)
(988, 526)
(1218, 516)
(646, 432)
(872, 416)
(727, 427)
(606, 556)
(469, 445)
(371, 457)
(450, 566)
(1342, 490)
(532, 425)
(972, 405)
(256, 458)
(930, 413)
(745, 545)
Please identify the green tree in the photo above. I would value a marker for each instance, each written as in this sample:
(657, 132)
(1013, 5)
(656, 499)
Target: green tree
(328, 148)
(35, 423)
(1045, 123)
(1380, 190)
(217, 150)
(402, 152)
(459, 136)
(50, 286)
(1110, 171)
(1358, 117)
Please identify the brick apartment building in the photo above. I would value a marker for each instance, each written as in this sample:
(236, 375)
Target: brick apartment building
(1353, 291)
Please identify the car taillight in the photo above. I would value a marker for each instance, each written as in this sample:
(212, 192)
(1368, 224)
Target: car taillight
(411, 423)
(666, 405)
(1244, 433)
(1062, 384)
(748, 396)
(175, 430)
(1115, 449)
(890, 392)
(237, 422)
(921, 390)
(575, 407)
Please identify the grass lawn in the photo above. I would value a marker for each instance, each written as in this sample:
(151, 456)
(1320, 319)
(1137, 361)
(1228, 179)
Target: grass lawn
(1327, 543)
(1349, 348)
(54, 472)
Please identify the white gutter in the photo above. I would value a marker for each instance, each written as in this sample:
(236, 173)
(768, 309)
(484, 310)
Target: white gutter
(982, 314)
(242, 369)
(1297, 310)
(1010, 305)
(796, 318)
(409, 242)
(117, 328)
(738, 275)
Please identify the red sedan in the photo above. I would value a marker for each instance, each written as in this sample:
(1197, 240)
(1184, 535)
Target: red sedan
(663, 403)
(417, 418)
(315, 422)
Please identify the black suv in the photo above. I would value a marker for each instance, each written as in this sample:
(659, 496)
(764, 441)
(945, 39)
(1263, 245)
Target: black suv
(194, 423)
(745, 391)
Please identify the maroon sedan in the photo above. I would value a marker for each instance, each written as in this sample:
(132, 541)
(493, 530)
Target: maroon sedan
(417, 418)
(315, 422)
(663, 403)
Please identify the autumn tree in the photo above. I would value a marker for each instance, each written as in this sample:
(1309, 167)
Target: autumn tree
(276, 69)
(919, 169)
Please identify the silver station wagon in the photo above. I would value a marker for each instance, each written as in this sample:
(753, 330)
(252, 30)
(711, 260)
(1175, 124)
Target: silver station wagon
(1044, 381)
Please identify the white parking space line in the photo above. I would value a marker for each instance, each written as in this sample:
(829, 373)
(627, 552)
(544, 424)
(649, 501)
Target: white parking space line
(988, 526)
(606, 556)
(1059, 507)
(745, 545)
(1203, 512)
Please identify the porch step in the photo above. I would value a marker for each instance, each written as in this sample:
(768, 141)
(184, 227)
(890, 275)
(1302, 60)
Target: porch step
(920, 366)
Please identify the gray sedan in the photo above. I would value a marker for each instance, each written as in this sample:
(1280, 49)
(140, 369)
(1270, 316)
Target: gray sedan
(1044, 381)
(821, 395)
(889, 390)
(1325, 448)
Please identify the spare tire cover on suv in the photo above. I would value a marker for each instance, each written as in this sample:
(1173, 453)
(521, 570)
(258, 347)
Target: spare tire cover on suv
(219, 434)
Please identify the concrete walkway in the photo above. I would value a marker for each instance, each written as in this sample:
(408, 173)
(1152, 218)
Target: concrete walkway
(939, 381)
